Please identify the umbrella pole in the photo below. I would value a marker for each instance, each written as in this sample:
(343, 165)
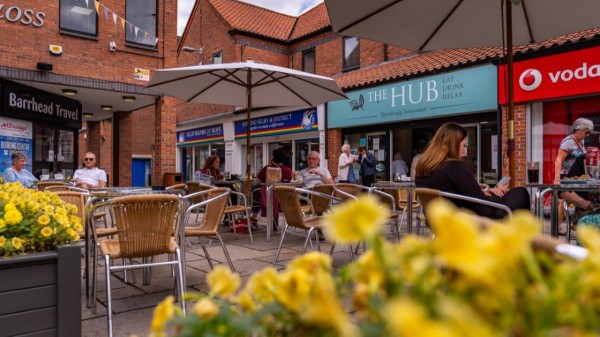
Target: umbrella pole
(510, 145)
(248, 108)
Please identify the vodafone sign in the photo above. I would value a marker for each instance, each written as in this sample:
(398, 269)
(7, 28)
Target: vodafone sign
(562, 75)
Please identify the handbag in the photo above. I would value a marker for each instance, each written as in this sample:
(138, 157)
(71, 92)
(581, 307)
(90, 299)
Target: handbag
(273, 174)
(240, 225)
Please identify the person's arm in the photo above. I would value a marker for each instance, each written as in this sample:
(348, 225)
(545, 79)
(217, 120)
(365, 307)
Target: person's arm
(369, 159)
(344, 161)
(9, 176)
(102, 179)
(560, 158)
(326, 176)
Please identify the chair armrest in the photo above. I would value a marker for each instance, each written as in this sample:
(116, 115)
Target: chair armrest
(240, 195)
(385, 195)
(319, 194)
(477, 201)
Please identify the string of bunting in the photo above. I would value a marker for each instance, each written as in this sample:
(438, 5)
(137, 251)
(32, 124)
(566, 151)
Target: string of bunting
(132, 28)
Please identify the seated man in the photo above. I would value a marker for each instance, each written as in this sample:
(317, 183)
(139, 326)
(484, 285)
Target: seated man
(313, 174)
(89, 176)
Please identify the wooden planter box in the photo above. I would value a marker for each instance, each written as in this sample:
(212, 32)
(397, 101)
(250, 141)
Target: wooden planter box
(40, 293)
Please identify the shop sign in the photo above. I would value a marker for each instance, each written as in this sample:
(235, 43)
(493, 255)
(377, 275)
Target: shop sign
(15, 136)
(36, 105)
(563, 75)
(458, 92)
(25, 16)
(204, 135)
(285, 123)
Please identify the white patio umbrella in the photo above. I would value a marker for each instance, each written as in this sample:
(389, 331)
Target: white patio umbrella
(445, 24)
(248, 85)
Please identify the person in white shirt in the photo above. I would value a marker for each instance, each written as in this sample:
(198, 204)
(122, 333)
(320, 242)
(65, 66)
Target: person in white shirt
(345, 169)
(89, 176)
(313, 174)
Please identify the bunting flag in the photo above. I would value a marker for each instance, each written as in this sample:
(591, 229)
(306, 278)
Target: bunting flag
(133, 29)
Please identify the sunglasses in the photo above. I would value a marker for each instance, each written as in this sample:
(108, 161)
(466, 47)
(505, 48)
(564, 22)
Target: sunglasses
(89, 159)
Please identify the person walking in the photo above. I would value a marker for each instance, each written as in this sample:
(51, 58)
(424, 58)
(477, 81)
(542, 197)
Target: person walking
(367, 165)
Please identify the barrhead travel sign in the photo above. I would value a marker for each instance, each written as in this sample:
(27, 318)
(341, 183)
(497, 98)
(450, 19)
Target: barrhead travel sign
(458, 92)
(567, 74)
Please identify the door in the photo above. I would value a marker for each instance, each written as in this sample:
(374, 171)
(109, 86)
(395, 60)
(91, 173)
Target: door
(140, 172)
(54, 151)
(303, 147)
(377, 144)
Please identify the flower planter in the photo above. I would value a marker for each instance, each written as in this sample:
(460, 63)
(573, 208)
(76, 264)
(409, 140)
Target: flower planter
(40, 293)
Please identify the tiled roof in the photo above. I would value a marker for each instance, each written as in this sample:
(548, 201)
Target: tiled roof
(311, 21)
(443, 59)
(261, 21)
(253, 19)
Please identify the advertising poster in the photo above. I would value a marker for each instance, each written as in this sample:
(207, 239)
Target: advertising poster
(15, 136)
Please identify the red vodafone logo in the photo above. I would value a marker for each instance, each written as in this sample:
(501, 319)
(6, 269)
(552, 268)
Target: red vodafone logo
(530, 79)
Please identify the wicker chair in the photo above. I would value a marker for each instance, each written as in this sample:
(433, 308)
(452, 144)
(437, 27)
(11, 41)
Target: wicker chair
(145, 227)
(318, 205)
(193, 187)
(289, 200)
(213, 202)
(41, 185)
(67, 187)
(347, 191)
(176, 187)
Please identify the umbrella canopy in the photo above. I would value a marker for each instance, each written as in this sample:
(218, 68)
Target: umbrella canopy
(246, 84)
(436, 24)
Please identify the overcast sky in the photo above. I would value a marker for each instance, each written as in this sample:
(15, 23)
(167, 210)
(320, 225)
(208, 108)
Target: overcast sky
(290, 7)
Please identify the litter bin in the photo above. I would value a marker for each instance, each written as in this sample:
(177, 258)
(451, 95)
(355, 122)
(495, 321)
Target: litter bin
(172, 178)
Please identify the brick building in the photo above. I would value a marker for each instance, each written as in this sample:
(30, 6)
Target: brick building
(94, 58)
(384, 83)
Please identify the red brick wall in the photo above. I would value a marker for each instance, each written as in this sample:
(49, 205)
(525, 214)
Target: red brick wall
(334, 149)
(520, 130)
(371, 52)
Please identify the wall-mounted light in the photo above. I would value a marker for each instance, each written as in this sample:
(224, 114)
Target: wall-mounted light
(44, 66)
(106, 107)
(88, 115)
(69, 92)
(129, 98)
(192, 50)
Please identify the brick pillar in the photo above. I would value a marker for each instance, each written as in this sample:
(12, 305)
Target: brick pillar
(334, 147)
(124, 133)
(94, 139)
(520, 129)
(165, 139)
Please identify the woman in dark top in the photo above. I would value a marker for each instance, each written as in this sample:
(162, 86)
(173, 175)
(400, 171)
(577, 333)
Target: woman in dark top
(441, 168)
(286, 175)
(212, 167)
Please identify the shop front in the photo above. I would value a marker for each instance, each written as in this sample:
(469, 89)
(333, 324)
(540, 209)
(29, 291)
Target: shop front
(196, 145)
(556, 90)
(402, 117)
(40, 125)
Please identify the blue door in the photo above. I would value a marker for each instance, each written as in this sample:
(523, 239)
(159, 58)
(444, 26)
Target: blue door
(140, 169)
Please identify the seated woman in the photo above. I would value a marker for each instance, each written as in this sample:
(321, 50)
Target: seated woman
(441, 168)
(277, 160)
(212, 167)
(17, 171)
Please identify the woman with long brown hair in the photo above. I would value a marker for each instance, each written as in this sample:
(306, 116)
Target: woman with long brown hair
(440, 167)
(212, 167)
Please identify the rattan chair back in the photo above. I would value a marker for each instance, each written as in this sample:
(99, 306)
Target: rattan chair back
(321, 204)
(74, 198)
(42, 185)
(290, 203)
(216, 199)
(145, 224)
(349, 191)
(176, 187)
(59, 188)
(193, 187)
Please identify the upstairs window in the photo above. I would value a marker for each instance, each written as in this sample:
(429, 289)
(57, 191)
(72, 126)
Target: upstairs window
(309, 61)
(217, 57)
(351, 53)
(78, 16)
(141, 29)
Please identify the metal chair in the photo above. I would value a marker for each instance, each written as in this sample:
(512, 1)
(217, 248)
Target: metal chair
(145, 229)
(213, 202)
(317, 204)
(42, 185)
(176, 187)
(289, 200)
(67, 187)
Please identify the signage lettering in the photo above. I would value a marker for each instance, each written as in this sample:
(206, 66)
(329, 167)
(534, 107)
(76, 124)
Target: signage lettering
(580, 73)
(26, 17)
(48, 109)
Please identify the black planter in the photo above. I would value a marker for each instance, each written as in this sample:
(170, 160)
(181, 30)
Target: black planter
(40, 293)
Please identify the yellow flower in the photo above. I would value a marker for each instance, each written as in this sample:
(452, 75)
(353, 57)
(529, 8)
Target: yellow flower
(73, 234)
(2, 223)
(17, 243)
(162, 314)
(312, 262)
(294, 289)
(44, 220)
(222, 281)
(206, 308)
(78, 227)
(408, 318)
(2, 241)
(353, 221)
(13, 217)
(46, 232)
(263, 285)
(10, 207)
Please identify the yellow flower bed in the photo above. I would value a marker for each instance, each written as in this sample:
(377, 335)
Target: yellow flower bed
(34, 221)
(465, 282)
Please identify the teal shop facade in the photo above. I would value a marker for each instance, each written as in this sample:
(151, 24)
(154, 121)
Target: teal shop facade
(401, 117)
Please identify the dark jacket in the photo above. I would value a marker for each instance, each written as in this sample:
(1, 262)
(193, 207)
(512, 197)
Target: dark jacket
(368, 164)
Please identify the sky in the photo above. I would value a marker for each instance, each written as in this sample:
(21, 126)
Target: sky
(290, 7)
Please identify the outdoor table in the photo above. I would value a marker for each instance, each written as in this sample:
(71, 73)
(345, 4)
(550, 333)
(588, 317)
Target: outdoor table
(555, 189)
(104, 193)
(409, 186)
(269, 195)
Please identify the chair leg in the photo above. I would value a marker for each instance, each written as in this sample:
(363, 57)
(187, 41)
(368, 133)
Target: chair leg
(226, 252)
(249, 223)
(308, 239)
(95, 278)
(280, 245)
(333, 248)
(206, 254)
(180, 280)
(316, 231)
(108, 295)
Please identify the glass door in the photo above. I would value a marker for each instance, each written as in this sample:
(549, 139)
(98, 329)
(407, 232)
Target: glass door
(54, 152)
(303, 147)
(377, 144)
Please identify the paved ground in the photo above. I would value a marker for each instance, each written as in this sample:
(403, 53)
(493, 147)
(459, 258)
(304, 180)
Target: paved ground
(133, 304)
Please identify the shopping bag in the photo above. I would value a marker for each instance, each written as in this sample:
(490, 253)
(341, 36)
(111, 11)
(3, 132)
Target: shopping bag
(240, 225)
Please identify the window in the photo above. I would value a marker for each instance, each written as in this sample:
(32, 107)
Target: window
(308, 61)
(351, 53)
(78, 16)
(217, 57)
(141, 29)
